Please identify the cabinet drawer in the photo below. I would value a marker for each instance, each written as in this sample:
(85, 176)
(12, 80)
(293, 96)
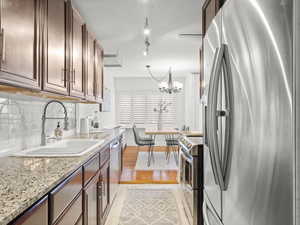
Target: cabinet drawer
(90, 169)
(36, 215)
(73, 214)
(63, 195)
(104, 155)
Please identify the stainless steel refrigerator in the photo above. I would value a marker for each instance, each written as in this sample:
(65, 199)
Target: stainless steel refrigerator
(250, 114)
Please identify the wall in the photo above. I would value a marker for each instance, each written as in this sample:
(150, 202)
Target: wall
(107, 118)
(21, 121)
(193, 112)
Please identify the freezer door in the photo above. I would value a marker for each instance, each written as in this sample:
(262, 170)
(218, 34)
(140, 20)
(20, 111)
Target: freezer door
(259, 38)
(211, 44)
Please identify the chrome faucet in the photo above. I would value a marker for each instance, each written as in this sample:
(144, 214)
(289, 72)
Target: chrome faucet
(44, 118)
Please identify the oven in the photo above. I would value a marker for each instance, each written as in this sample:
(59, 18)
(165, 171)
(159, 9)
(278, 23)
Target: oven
(186, 183)
(191, 180)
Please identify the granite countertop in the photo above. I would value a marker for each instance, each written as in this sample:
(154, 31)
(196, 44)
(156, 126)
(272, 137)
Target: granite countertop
(23, 181)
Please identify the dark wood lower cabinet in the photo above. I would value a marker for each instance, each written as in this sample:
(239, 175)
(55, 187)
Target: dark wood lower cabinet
(73, 213)
(36, 215)
(90, 205)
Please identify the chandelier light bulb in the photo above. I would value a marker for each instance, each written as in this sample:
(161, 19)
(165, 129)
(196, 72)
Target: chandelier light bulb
(146, 31)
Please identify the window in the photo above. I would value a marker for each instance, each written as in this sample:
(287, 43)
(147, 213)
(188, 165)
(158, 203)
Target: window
(138, 107)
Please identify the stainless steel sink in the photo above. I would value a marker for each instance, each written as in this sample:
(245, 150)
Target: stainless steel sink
(65, 148)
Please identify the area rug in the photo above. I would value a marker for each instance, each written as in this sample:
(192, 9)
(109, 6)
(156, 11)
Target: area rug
(149, 207)
(160, 162)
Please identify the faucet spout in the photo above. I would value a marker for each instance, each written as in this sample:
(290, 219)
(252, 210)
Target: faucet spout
(44, 118)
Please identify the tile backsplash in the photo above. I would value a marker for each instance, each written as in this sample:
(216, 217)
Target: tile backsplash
(21, 120)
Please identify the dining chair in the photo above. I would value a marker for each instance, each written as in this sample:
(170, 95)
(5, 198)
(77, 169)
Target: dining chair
(144, 141)
(172, 146)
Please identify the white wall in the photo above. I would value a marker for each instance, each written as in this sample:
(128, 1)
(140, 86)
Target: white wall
(107, 118)
(193, 113)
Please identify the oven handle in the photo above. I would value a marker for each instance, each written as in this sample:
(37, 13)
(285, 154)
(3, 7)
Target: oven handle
(186, 158)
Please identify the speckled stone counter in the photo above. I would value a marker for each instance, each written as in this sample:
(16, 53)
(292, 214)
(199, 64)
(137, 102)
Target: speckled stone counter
(23, 181)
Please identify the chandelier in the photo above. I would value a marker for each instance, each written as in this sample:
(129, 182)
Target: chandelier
(168, 86)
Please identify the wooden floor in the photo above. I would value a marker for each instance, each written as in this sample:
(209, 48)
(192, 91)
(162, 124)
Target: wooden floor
(131, 176)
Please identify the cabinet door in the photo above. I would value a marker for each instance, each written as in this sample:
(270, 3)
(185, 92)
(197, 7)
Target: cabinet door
(99, 72)
(91, 202)
(89, 66)
(36, 215)
(104, 198)
(76, 81)
(55, 72)
(19, 43)
(209, 9)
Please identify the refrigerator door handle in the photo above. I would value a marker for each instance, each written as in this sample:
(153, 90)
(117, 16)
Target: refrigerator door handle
(208, 129)
(221, 164)
(213, 117)
(229, 106)
(208, 206)
(204, 210)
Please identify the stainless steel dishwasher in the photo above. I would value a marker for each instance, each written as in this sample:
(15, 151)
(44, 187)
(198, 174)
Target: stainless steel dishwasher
(115, 167)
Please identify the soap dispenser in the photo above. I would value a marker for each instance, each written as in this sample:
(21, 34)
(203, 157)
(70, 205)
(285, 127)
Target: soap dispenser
(58, 132)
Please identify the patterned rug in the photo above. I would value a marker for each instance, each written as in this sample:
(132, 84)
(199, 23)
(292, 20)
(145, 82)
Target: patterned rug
(160, 162)
(149, 207)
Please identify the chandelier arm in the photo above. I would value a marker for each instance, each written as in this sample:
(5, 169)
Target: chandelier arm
(154, 78)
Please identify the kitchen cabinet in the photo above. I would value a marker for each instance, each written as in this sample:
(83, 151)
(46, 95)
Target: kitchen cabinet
(20, 43)
(76, 51)
(99, 72)
(55, 74)
(63, 195)
(36, 215)
(210, 8)
(73, 214)
(89, 65)
(104, 200)
(91, 201)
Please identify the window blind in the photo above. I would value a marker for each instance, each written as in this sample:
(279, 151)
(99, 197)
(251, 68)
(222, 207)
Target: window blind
(138, 108)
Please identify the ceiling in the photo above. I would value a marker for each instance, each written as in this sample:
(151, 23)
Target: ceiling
(118, 25)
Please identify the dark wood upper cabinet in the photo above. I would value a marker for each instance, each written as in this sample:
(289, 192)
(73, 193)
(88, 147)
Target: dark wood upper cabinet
(89, 65)
(36, 215)
(210, 8)
(56, 73)
(20, 43)
(99, 72)
(76, 39)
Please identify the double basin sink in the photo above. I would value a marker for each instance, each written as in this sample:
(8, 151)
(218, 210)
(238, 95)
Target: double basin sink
(64, 148)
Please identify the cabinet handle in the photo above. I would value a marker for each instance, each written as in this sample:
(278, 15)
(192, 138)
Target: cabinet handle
(2, 45)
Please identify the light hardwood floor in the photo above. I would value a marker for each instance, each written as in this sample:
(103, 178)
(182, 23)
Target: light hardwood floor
(131, 176)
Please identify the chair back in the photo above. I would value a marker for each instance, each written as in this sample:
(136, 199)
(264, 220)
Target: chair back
(137, 138)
